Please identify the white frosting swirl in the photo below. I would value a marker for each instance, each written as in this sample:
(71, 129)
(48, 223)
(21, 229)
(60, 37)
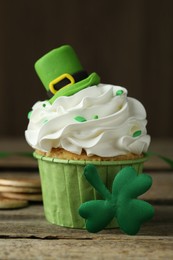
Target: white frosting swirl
(100, 119)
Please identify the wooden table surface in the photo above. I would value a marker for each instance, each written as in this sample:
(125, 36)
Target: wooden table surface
(25, 234)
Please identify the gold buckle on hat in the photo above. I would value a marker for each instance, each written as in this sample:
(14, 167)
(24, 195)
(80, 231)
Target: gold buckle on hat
(58, 79)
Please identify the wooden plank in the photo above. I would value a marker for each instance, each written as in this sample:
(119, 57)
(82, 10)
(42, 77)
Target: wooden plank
(160, 192)
(161, 146)
(18, 162)
(118, 248)
(20, 174)
(16, 145)
(27, 233)
(31, 223)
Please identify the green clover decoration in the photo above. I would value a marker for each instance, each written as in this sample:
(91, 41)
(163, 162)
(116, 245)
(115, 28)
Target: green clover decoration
(122, 203)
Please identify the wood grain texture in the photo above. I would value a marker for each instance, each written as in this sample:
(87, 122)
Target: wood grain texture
(26, 234)
(30, 222)
(17, 145)
(143, 248)
(161, 190)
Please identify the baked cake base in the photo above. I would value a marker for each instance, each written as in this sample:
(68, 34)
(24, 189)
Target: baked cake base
(60, 153)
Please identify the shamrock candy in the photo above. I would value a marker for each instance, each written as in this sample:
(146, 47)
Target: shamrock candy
(123, 204)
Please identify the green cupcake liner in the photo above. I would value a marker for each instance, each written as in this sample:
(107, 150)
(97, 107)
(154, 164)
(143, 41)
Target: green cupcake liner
(65, 188)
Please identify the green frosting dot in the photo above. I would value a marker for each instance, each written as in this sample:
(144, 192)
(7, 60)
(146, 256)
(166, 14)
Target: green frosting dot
(80, 119)
(44, 105)
(45, 121)
(119, 92)
(95, 117)
(137, 133)
(29, 114)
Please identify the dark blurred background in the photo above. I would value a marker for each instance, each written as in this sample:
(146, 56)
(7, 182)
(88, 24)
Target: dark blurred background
(128, 43)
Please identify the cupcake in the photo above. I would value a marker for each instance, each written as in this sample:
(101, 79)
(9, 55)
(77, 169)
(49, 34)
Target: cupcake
(84, 122)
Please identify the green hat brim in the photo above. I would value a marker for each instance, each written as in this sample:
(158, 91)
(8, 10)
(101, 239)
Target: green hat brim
(91, 80)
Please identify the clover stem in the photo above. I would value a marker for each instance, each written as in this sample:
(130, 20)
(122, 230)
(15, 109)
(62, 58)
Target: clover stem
(93, 178)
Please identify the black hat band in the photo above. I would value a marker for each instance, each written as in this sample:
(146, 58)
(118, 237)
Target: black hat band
(78, 76)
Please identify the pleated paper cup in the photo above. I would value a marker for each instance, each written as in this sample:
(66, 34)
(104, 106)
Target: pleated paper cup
(64, 187)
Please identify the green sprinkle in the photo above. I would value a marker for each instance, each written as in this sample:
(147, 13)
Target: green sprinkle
(80, 119)
(45, 121)
(137, 133)
(95, 117)
(44, 105)
(119, 92)
(29, 114)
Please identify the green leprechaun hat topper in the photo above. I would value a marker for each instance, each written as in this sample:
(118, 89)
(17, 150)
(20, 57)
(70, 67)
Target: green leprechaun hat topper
(62, 74)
